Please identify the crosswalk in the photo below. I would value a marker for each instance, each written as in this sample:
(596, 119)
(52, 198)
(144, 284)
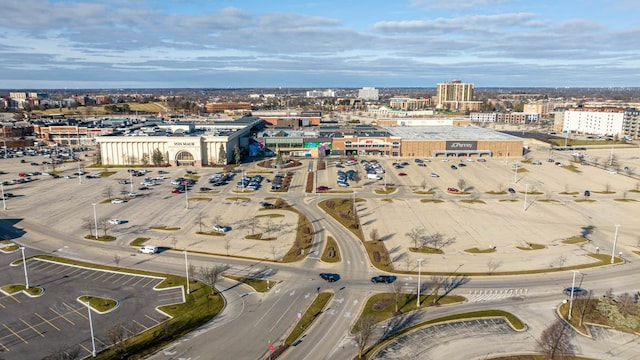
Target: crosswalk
(496, 294)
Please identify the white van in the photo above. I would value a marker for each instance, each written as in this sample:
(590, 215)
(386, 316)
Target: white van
(373, 176)
(148, 249)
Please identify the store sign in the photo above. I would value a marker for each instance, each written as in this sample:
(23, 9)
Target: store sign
(184, 144)
(462, 145)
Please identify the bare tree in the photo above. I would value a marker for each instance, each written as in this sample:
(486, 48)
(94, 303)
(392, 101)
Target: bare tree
(396, 287)
(584, 304)
(116, 259)
(462, 184)
(493, 265)
(437, 241)
(227, 244)
(374, 235)
(108, 191)
(105, 226)
(268, 227)
(607, 188)
(436, 283)
(200, 221)
(423, 184)
(174, 241)
(626, 304)
(117, 334)
(89, 224)
(210, 276)
(555, 341)
(191, 271)
(252, 222)
(64, 353)
(366, 325)
(416, 235)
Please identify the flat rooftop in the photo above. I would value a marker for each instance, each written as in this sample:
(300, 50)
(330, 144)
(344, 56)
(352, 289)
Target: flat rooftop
(447, 132)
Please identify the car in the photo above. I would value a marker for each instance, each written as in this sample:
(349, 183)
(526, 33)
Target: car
(511, 190)
(220, 228)
(163, 172)
(587, 193)
(482, 160)
(330, 277)
(322, 188)
(148, 249)
(267, 205)
(452, 190)
(434, 175)
(577, 291)
(402, 174)
(536, 162)
(35, 164)
(340, 166)
(117, 201)
(550, 160)
(144, 188)
(418, 161)
(445, 160)
(343, 184)
(470, 159)
(558, 163)
(422, 164)
(205, 189)
(123, 182)
(453, 167)
(133, 194)
(387, 279)
(116, 221)
(177, 191)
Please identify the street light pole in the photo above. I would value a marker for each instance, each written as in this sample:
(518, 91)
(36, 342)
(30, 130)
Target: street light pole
(419, 272)
(131, 181)
(93, 340)
(615, 241)
(4, 201)
(186, 195)
(573, 285)
(515, 172)
(526, 192)
(79, 174)
(186, 268)
(24, 262)
(95, 219)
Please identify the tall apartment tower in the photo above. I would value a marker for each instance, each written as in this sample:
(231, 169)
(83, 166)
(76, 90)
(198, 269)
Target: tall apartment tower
(453, 92)
(368, 93)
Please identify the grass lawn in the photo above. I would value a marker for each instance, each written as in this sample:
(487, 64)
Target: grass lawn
(532, 246)
(331, 248)
(434, 201)
(308, 317)
(258, 285)
(99, 304)
(475, 250)
(139, 241)
(385, 190)
(574, 240)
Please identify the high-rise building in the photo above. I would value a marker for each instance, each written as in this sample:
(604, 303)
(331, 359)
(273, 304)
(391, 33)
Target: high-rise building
(368, 93)
(631, 123)
(451, 94)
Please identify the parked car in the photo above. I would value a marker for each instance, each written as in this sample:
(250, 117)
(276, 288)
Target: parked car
(387, 279)
(330, 277)
(453, 167)
(221, 228)
(402, 174)
(205, 189)
(148, 249)
(511, 190)
(453, 190)
(434, 175)
(482, 160)
(322, 188)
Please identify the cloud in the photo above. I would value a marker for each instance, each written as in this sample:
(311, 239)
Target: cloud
(456, 4)
(457, 24)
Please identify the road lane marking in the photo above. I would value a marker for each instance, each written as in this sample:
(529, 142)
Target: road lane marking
(284, 313)
(47, 321)
(32, 328)
(267, 312)
(15, 333)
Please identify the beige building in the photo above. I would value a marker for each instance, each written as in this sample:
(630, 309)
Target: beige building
(453, 94)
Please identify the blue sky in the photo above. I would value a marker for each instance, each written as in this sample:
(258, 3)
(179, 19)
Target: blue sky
(318, 44)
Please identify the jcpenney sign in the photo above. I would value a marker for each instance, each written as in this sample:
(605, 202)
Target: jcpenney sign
(462, 145)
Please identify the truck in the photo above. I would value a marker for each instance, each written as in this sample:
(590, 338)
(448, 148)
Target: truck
(373, 176)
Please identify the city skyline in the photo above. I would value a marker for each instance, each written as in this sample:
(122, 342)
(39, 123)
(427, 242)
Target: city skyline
(51, 44)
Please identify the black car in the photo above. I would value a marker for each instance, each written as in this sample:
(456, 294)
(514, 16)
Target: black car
(511, 190)
(453, 167)
(387, 279)
(330, 277)
(205, 189)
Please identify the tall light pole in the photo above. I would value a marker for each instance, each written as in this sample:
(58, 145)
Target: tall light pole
(419, 273)
(24, 262)
(615, 241)
(95, 219)
(186, 268)
(515, 172)
(4, 201)
(93, 340)
(131, 181)
(573, 285)
(526, 192)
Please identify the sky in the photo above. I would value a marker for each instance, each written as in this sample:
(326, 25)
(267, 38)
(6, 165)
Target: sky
(54, 44)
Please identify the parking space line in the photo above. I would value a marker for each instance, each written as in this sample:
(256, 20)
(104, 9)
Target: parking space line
(61, 270)
(75, 270)
(129, 279)
(15, 333)
(139, 279)
(101, 342)
(150, 281)
(100, 274)
(86, 349)
(153, 319)
(14, 299)
(109, 277)
(76, 310)
(140, 324)
(6, 349)
(32, 328)
(119, 278)
(61, 316)
(47, 321)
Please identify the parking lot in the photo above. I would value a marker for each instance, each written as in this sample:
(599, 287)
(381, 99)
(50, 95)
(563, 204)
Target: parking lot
(58, 317)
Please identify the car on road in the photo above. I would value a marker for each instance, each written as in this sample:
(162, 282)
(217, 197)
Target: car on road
(577, 291)
(116, 221)
(387, 279)
(221, 228)
(117, 201)
(148, 249)
(511, 190)
(330, 277)
(322, 188)
(452, 190)
(434, 175)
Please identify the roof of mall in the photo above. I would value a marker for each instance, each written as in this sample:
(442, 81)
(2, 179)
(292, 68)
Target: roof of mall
(447, 132)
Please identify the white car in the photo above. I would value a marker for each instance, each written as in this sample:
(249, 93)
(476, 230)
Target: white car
(133, 194)
(148, 249)
(116, 221)
(117, 201)
(220, 228)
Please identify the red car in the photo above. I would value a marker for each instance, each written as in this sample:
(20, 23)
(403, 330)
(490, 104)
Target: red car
(402, 174)
(322, 188)
(22, 174)
(453, 190)
(176, 191)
